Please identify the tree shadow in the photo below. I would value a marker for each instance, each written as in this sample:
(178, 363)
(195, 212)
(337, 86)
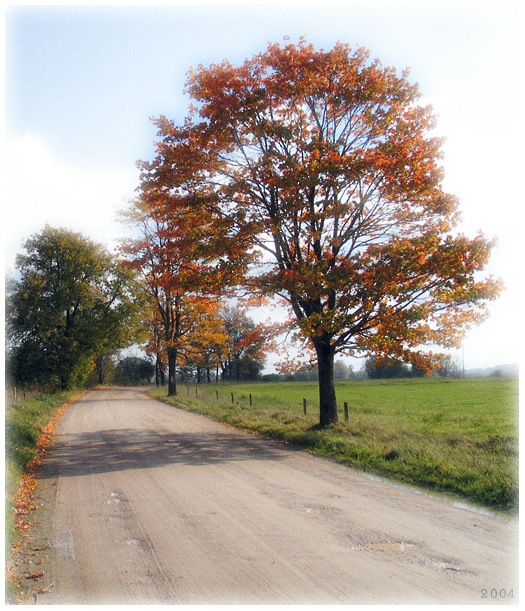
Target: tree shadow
(124, 449)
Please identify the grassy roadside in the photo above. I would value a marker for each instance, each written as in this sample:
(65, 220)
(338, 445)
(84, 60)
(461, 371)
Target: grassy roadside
(455, 436)
(29, 427)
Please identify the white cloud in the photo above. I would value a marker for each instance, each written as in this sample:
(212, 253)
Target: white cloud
(39, 189)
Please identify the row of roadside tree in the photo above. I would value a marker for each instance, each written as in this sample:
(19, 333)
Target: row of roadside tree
(72, 307)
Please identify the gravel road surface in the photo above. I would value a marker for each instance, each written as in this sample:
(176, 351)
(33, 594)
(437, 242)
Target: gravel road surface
(148, 504)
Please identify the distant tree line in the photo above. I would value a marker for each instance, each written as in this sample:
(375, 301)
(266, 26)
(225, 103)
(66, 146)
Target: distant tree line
(376, 369)
(342, 371)
(373, 369)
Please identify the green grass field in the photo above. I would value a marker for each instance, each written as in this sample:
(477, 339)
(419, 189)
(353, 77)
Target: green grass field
(458, 436)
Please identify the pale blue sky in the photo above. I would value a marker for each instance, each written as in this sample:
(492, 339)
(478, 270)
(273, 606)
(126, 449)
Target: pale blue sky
(82, 82)
(86, 79)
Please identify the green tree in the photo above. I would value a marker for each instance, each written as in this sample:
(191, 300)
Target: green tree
(70, 303)
(376, 369)
(341, 370)
(133, 370)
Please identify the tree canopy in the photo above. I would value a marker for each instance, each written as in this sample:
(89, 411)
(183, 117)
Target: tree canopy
(134, 370)
(71, 303)
(243, 354)
(322, 181)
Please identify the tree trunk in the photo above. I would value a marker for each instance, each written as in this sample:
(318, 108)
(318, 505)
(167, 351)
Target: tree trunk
(100, 370)
(157, 371)
(172, 372)
(327, 399)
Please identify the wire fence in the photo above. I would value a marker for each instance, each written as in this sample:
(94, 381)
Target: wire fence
(14, 395)
(248, 398)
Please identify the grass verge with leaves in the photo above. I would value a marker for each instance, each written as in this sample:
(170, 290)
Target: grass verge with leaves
(457, 436)
(30, 425)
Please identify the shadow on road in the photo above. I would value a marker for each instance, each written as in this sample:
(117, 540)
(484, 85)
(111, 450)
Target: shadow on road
(117, 394)
(122, 449)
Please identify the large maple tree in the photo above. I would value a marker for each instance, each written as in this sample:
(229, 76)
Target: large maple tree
(323, 162)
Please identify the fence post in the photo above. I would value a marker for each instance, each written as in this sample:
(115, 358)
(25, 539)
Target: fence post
(304, 407)
(250, 399)
(196, 391)
(217, 395)
(346, 411)
(232, 399)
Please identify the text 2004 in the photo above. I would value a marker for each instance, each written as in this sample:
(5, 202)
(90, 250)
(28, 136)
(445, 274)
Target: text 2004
(494, 593)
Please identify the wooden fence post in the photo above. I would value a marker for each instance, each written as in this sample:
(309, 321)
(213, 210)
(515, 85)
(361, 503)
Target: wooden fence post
(250, 399)
(346, 411)
(232, 399)
(304, 407)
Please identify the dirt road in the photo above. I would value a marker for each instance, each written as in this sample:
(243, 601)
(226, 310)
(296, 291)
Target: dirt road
(150, 504)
